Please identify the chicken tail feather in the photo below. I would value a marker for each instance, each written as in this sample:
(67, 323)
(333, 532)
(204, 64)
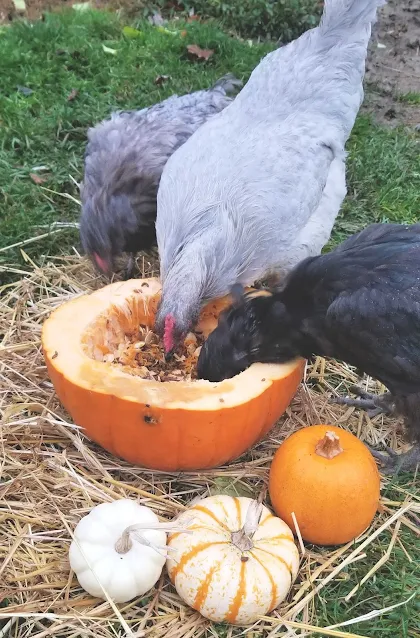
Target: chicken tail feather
(345, 17)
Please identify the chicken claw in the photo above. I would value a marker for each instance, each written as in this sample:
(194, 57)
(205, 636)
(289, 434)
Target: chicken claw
(373, 404)
(393, 463)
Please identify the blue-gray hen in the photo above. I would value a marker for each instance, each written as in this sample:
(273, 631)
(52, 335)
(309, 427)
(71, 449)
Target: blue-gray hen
(258, 188)
(124, 160)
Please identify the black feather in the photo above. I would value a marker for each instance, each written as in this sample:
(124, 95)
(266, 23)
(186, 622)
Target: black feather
(359, 303)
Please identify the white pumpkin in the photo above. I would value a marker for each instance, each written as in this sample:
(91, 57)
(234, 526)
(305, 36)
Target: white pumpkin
(237, 564)
(119, 547)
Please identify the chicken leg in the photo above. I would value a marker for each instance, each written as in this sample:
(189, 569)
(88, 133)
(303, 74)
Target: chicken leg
(393, 463)
(373, 404)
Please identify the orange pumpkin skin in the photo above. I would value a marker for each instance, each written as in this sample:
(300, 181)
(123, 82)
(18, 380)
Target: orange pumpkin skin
(334, 499)
(168, 426)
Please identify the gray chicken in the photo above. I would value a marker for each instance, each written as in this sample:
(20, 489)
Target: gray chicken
(124, 160)
(359, 303)
(258, 188)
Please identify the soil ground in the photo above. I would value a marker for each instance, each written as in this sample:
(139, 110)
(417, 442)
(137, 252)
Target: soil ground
(393, 68)
(35, 8)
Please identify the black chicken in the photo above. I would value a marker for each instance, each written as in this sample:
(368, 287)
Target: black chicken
(360, 303)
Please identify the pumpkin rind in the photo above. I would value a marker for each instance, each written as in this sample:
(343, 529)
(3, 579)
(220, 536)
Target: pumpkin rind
(214, 577)
(334, 499)
(167, 426)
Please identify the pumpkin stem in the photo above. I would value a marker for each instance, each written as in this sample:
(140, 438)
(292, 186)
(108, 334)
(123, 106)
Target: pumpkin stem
(242, 539)
(329, 446)
(125, 542)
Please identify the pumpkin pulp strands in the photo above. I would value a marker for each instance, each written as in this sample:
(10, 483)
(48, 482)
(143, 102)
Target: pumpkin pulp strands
(141, 353)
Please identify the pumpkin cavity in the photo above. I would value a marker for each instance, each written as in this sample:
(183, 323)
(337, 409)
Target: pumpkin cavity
(121, 337)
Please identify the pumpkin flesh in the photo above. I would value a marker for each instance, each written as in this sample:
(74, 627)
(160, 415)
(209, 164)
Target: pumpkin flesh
(169, 426)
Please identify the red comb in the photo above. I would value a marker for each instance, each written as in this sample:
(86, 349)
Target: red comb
(168, 335)
(101, 262)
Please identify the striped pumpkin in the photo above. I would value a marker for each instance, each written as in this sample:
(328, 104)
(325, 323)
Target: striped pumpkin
(238, 562)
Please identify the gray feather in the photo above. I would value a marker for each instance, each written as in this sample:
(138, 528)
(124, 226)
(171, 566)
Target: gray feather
(124, 159)
(258, 188)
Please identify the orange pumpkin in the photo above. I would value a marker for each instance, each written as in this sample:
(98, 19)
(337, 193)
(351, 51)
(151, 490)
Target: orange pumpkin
(168, 426)
(329, 479)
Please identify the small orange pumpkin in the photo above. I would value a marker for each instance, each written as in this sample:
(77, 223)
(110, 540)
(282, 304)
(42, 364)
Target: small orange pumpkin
(329, 479)
(170, 426)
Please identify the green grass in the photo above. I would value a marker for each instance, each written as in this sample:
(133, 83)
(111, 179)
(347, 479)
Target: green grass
(266, 19)
(383, 178)
(45, 129)
(66, 52)
(410, 98)
(394, 582)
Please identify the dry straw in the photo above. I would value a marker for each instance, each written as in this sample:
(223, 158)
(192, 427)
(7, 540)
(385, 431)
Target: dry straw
(51, 476)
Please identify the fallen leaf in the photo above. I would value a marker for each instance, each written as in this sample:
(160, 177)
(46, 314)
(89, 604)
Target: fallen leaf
(81, 6)
(72, 95)
(161, 79)
(202, 54)
(131, 32)
(230, 487)
(24, 90)
(109, 50)
(37, 179)
(20, 5)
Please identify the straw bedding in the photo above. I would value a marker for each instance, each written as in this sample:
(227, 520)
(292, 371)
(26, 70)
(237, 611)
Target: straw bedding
(51, 476)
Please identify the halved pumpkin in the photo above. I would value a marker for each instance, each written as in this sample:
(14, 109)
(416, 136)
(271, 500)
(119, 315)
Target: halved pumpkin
(171, 426)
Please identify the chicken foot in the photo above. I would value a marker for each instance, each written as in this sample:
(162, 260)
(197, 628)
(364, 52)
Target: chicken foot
(393, 463)
(373, 404)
